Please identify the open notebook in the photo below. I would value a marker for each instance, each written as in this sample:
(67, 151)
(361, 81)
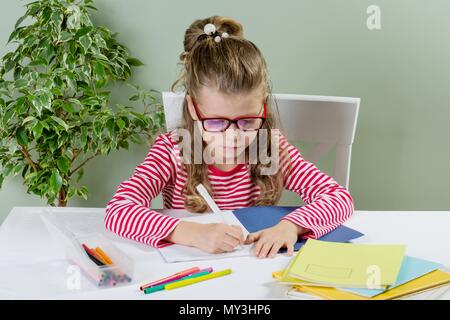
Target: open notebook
(251, 219)
(177, 252)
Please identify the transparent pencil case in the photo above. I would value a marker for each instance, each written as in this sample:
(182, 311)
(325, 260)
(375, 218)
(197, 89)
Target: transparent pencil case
(103, 263)
(115, 267)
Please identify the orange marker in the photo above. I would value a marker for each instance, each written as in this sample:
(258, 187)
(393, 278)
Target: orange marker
(104, 256)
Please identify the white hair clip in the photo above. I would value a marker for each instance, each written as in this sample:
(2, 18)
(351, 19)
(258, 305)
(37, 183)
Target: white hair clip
(210, 30)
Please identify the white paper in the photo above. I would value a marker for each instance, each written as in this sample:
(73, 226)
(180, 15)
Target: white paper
(178, 253)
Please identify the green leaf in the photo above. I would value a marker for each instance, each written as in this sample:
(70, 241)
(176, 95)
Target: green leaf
(22, 137)
(91, 7)
(73, 48)
(28, 119)
(13, 34)
(110, 125)
(75, 101)
(68, 61)
(83, 136)
(20, 20)
(71, 83)
(82, 32)
(74, 19)
(105, 148)
(63, 164)
(85, 42)
(134, 62)
(55, 181)
(17, 168)
(120, 123)
(57, 18)
(124, 144)
(21, 106)
(37, 130)
(37, 62)
(80, 174)
(45, 100)
(135, 138)
(65, 36)
(71, 192)
(61, 122)
(24, 171)
(36, 103)
(134, 97)
(9, 115)
(20, 83)
(101, 83)
(83, 192)
(49, 51)
(68, 107)
(18, 72)
(99, 70)
(8, 169)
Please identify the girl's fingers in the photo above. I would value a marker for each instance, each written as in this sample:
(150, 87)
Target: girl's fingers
(218, 250)
(290, 249)
(225, 246)
(233, 242)
(252, 237)
(275, 248)
(258, 246)
(235, 232)
(265, 249)
(240, 233)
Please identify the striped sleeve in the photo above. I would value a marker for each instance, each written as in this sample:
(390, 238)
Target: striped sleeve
(128, 213)
(327, 204)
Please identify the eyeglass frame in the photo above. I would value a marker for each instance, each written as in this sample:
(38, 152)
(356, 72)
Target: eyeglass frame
(230, 121)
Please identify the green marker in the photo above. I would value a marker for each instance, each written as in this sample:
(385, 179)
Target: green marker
(154, 289)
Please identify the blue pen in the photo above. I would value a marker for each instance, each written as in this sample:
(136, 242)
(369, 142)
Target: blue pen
(194, 275)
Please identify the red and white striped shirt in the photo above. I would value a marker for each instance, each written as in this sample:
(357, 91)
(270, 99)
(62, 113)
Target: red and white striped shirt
(128, 213)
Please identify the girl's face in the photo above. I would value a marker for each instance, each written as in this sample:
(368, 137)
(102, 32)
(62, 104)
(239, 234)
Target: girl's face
(230, 144)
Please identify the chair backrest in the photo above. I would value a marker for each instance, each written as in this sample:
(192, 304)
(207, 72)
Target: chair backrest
(326, 121)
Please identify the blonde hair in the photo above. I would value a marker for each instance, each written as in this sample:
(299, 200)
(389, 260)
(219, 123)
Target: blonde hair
(233, 65)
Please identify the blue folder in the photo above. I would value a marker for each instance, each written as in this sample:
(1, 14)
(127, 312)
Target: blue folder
(410, 269)
(262, 217)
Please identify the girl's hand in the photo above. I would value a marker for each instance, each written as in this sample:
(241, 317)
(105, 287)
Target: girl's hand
(211, 237)
(270, 240)
(219, 237)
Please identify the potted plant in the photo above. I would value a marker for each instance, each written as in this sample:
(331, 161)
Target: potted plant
(55, 112)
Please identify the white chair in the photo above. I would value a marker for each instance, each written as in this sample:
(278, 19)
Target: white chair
(325, 121)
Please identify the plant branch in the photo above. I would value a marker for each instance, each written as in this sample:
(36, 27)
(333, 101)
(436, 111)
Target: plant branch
(77, 152)
(83, 163)
(27, 156)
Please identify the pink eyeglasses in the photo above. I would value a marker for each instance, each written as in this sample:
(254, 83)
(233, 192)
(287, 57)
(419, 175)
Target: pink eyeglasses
(245, 123)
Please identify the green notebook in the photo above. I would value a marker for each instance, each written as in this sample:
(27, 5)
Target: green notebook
(347, 265)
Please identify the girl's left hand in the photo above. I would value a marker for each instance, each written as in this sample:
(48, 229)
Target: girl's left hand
(270, 240)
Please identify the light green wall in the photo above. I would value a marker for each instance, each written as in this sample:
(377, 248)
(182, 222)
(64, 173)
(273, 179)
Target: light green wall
(401, 155)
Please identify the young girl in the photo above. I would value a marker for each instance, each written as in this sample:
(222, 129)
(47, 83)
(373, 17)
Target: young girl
(227, 100)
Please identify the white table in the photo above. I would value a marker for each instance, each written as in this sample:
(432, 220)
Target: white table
(28, 254)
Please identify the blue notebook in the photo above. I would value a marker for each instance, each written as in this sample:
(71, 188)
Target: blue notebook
(410, 269)
(262, 217)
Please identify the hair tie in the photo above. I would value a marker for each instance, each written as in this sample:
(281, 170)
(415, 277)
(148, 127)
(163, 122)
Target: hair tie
(209, 30)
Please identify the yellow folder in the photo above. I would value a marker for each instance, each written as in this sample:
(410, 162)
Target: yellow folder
(431, 280)
(347, 265)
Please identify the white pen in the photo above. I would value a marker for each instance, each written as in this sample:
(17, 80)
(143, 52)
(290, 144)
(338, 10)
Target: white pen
(209, 200)
(211, 203)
